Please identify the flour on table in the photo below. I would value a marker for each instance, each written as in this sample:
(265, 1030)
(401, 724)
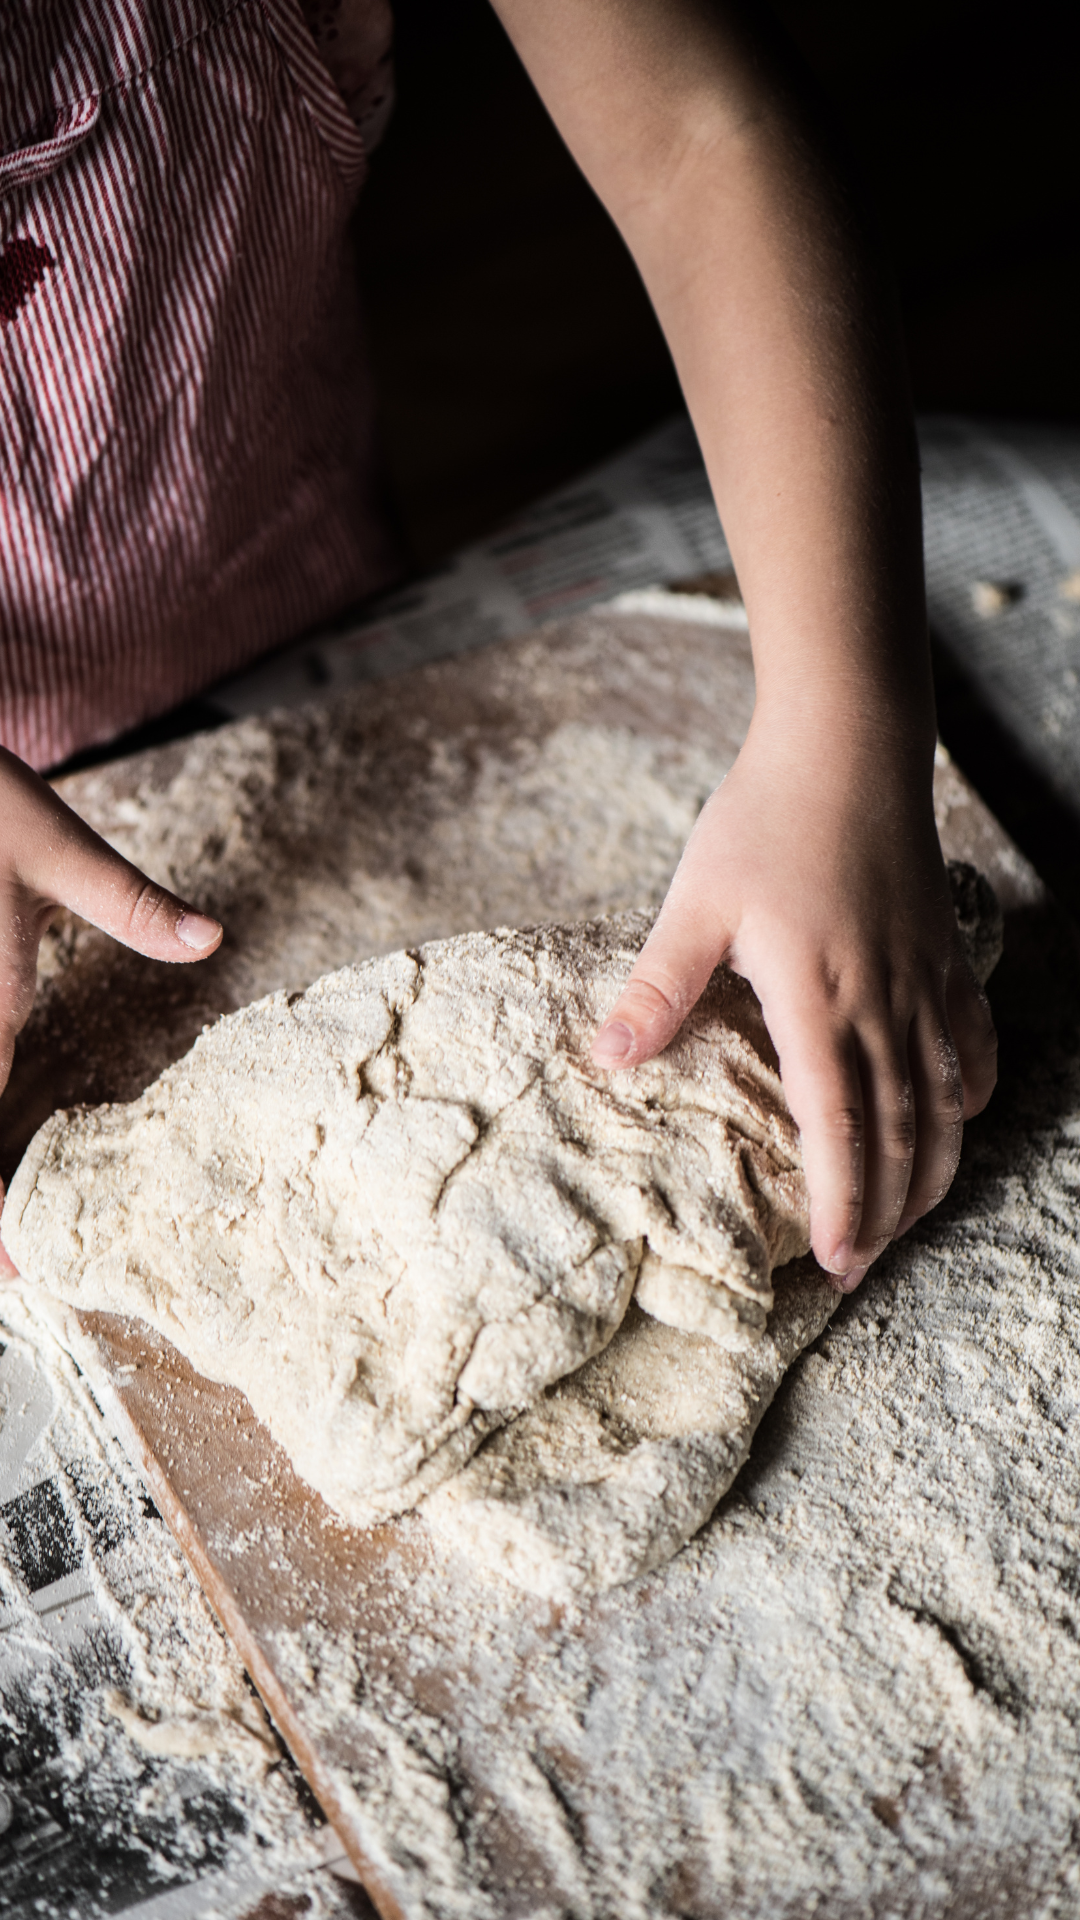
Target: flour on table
(395, 1208)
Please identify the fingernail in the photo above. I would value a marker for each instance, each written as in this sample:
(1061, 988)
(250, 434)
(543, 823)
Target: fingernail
(840, 1259)
(197, 931)
(847, 1282)
(612, 1043)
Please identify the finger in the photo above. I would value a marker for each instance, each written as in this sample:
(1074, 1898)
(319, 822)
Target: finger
(16, 999)
(22, 923)
(61, 859)
(820, 1069)
(939, 1116)
(672, 970)
(891, 1132)
(10, 1025)
(974, 1036)
(8, 1269)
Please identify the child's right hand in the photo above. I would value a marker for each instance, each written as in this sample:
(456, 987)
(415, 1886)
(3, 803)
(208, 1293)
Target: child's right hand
(49, 858)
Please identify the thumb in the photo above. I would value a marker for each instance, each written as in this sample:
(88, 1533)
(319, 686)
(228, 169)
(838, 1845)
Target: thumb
(8, 1269)
(672, 970)
(115, 896)
(61, 860)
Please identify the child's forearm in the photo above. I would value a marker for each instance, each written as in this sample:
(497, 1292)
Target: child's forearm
(782, 333)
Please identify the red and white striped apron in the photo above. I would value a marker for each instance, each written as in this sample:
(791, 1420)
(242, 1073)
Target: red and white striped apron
(185, 418)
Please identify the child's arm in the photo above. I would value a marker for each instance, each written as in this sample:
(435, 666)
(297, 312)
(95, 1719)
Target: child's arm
(50, 858)
(815, 869)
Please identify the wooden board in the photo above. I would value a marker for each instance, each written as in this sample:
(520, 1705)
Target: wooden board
(296, 1588)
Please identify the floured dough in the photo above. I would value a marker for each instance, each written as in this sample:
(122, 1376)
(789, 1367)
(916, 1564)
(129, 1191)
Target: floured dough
(395, 1208)
(615, 1468)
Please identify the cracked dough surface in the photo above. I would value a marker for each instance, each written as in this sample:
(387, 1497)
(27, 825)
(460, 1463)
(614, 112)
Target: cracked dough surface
(394, 1208)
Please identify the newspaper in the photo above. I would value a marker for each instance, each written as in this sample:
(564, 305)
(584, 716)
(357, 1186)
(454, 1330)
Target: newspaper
(138, 1777)
(1001, 510)
(645, 517)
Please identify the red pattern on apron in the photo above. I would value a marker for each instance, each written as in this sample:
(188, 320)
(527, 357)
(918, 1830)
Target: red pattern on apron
(185, 419)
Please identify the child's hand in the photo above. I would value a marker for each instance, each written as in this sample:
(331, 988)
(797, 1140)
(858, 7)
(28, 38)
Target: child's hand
(50, 858)
(822, 881)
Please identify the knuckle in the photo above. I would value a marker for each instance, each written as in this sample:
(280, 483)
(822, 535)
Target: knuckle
(648, 995)
(946, 1100)
(655, 1000)
(947, 1106)
(898, 1137)
(973, 1011)
(988, 1041)
(898, 1121)
(847, 1125)
(983, 1039)
(932, 1188)
(152, 912)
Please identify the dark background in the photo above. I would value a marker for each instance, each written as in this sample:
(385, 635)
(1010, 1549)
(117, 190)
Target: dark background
(512, 339)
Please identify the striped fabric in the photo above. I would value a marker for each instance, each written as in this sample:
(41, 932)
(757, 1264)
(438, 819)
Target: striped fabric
(185, 421)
